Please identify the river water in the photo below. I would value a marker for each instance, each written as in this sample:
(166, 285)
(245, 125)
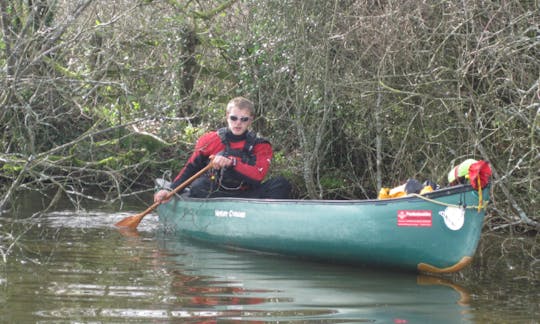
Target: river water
(70, 266)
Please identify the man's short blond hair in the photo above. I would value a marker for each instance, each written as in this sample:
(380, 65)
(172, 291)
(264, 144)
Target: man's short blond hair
(241, 103)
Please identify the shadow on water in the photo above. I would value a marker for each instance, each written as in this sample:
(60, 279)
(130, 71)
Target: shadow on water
(77, 267)
(505, 279)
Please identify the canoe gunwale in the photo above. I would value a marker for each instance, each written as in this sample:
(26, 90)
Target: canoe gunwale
(443, 192)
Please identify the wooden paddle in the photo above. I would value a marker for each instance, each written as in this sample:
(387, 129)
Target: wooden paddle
(132, 222)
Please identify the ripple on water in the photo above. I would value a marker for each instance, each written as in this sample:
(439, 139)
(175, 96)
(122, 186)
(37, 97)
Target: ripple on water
(96, 219)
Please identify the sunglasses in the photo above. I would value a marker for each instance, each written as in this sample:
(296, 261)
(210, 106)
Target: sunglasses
(242, 119)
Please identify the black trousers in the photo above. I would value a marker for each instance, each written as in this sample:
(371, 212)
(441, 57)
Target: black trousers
(275, 188)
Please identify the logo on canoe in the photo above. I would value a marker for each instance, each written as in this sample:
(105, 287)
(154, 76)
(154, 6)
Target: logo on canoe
(229, 213)
(414, 218)
(454, 217)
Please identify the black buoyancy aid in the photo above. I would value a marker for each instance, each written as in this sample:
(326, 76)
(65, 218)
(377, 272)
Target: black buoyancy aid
(246, 153)
(230, 179)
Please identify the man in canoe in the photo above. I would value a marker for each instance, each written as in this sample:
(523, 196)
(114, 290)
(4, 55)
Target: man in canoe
(240, 161)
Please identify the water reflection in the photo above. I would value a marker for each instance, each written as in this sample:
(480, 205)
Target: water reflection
(76, 267)
(264, 288)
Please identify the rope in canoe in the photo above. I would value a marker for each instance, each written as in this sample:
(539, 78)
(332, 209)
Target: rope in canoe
(478, 207)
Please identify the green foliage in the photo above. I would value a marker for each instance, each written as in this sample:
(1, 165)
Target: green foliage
(11, 169)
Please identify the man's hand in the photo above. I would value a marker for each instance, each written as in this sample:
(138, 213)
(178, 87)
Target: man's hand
(220, 161)
(160, 196)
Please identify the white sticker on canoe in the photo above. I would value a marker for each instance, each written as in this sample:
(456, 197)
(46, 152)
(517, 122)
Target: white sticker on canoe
(414, 218)
(454, 217)
(229, 213)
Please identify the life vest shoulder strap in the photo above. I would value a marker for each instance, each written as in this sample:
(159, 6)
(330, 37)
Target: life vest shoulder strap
(251, 140)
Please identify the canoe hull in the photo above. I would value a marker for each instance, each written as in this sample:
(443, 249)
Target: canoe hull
(412, 233)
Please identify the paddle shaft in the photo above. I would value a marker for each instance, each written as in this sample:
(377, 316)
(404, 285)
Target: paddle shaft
(133, 221)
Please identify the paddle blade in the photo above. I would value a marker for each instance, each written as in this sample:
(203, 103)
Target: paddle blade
(131, 221)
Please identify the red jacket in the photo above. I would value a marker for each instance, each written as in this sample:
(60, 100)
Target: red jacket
(250, 170)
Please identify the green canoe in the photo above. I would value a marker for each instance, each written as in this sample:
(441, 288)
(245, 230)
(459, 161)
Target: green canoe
(437, 232)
